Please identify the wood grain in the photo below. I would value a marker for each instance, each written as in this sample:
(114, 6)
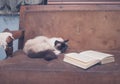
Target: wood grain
(86, 29)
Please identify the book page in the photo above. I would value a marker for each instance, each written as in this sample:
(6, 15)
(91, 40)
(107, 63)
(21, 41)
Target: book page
(82, 58)
(78, 63)
(94, 54)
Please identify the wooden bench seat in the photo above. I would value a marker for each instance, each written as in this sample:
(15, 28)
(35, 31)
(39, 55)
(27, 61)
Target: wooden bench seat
(94, 27)
(23, 70)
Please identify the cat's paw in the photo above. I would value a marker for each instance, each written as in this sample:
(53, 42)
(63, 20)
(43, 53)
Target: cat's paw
(57, 52)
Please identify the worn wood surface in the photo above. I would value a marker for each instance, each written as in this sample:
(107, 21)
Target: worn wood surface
(97, 29)
(82, 2)
(23, 70)
(87, 28)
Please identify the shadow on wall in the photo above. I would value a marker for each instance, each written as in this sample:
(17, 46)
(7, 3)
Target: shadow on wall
(11, 22)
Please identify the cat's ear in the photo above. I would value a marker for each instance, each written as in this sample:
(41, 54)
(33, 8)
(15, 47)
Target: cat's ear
(66, 40)
(6, 30)
(56, 42)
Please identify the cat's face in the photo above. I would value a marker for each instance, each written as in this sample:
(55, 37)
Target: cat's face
(61, 46)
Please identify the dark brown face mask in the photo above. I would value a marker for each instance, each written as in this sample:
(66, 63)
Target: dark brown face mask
(9, 39)
(62, 46)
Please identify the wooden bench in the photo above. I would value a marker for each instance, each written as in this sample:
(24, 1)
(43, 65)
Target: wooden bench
(94, 27)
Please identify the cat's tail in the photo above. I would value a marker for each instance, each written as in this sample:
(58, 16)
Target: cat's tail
(47, 55)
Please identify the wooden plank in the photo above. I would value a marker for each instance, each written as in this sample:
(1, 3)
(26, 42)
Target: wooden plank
(22, 70)
(83, 0)
(83, 3)
(93, 26)
(71, 8)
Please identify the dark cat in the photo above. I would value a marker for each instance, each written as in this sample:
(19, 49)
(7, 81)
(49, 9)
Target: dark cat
(44, 47)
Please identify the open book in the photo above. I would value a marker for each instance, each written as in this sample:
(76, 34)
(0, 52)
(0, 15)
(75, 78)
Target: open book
(86, 59)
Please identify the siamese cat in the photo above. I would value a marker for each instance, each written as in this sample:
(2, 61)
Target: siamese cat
(44, 47)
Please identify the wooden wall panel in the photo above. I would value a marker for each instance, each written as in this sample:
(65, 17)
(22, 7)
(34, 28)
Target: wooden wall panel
(98, 30)
(59, 2)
